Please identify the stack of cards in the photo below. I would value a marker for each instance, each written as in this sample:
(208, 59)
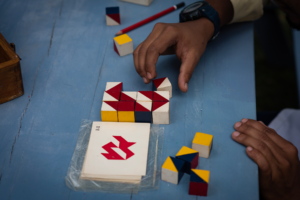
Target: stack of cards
(117, 152)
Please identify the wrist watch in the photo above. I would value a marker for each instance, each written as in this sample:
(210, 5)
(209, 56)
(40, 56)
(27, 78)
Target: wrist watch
(198, 10)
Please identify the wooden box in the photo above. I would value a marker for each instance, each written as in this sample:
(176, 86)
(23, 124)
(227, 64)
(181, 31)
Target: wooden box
(11, 84)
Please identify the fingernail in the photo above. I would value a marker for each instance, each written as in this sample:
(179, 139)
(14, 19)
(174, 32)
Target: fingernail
(244, 120)
(249, 148)
(235, 133)
(149, 75)
(238, 124)
(186, 86)
(145, 80)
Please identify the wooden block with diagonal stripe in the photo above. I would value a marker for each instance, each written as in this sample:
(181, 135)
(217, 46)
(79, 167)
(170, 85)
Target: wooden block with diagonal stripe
(190, 158)
(143, 112)
(162, 84)
(172, 170)
(199, 181)
(128, 96)
(113, 16)
(161, 112)
(145, 96)
(111, 96)
(161, 96)
(114, 86)
(109, 111)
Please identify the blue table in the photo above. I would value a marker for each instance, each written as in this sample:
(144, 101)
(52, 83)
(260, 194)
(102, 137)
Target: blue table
(67, 58)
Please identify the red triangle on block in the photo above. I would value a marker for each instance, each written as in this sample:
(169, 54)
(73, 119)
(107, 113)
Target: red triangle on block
(126, 106)
(158, 104)
(158, 81)
(113, 104)
(158, 97)
(139, 107)
(115, 48)
(114, 94)
(125, 97)
(117, 88)
(115, 17)
(148, 94)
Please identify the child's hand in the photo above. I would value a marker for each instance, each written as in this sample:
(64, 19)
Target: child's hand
(277, 159)
(187, 40)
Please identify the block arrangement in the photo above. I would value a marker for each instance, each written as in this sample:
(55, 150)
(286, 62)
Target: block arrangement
(202, 143)
(123, 45)
(141, 2)
(172, 170)
(199, 180)
(113, 16)
(132, 106)
(163, 84)
(190, 158)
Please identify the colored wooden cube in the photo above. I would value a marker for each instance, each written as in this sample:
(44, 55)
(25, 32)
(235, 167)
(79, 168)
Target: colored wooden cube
(199, 181)
(111, 96)
(141, 2)
(126, 111)
(114, 86)
(123, 45)
(113, 16)
(145, 96)
(128, 96)
(109, 111)
(143, 112)
(162, 84)
(202, 143)
(172, 170)
(161, 96)
(160, 112)
(190, 158)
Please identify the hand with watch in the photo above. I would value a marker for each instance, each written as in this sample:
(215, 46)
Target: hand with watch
(199, 23)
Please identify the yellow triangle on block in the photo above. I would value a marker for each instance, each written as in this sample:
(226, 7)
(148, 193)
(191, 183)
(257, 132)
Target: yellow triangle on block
(203, 139)
(185, 150)
(204, 174)
(122, 39)
(169, 165)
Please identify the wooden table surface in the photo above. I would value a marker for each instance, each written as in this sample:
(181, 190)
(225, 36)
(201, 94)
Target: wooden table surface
(67, 58)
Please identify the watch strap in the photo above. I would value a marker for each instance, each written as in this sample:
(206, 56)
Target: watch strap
(210, 13)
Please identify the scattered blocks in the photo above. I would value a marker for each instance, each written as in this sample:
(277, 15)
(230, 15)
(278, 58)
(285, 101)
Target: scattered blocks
(163, 84)
(199, 182)
(123, 45)
(114, 86)
(202, 143)
(190, 158)
(141, 2)
(111, 96)
(143, 112)
(109, 111)
(126, 111)
(113, 16)
(145, 96)
(161, 96)
(172, 170)
(161, 112)
(128, 96)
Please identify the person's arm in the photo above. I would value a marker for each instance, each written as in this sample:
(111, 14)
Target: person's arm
(187, 40)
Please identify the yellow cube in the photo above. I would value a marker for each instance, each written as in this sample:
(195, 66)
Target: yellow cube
(202, 143)
(109, 111)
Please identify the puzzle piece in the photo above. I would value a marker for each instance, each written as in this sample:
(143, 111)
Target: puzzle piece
(143, 112)
(123, 45)
(114, 86)
(172, 170)
(109, 111)
(128, 96)
(145, 96)
(190, 158)
(202, 143)
(161, 96)
(113, 16)
(111, 96)
(199, 181)
(161, 112)
(126, 111)
(163, 84)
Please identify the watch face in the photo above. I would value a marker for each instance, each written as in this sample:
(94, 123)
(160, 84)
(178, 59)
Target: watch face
(193, 7)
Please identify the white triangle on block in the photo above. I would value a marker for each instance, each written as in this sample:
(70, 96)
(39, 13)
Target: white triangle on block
(141, 97)
(146, 104)
(110, 21)
(164, 94)
(106, 107)
(124, 49)
(131, 94)
(110, 85)
(163, 108)
(165, 83)
(108, 97)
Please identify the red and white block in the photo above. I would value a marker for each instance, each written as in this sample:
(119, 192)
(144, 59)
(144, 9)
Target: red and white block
(128, 96)
(145, 96)
(163, 84)
(161, 112)
(114, 86)
(161, 96)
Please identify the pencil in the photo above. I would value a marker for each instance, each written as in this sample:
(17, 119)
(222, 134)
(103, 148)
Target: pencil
(145, 21)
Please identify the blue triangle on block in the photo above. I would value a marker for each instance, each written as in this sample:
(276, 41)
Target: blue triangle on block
(180, 176)
(195, 178)
(187, 157)
(178, 163)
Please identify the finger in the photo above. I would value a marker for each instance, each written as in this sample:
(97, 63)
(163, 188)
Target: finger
(265, 173)
(136, 58)
(157, 30)
(165, 40)
(262, 137)
(271, 133)
(247, 140)
(188, 64)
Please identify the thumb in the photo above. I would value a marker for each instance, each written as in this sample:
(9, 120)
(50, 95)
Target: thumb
(188, 64)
